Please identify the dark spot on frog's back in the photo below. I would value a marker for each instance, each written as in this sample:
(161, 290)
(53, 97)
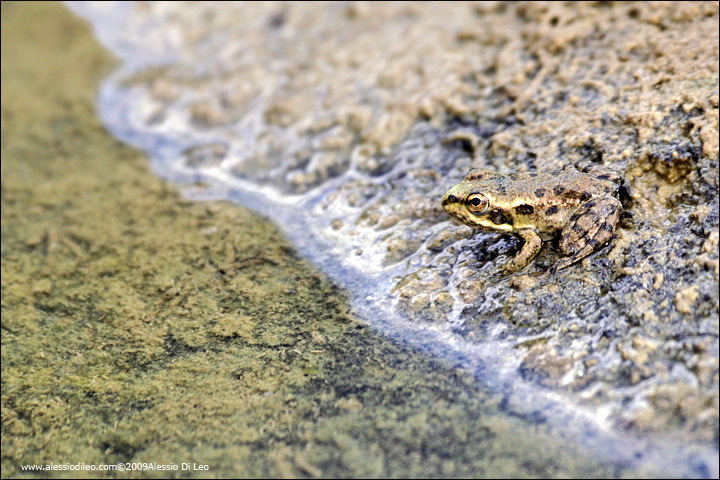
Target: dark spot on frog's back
(524, 209)
(574, 194)
(552, 210)
(477, 174)
(540, 192)
(498, 217)
(558, 190)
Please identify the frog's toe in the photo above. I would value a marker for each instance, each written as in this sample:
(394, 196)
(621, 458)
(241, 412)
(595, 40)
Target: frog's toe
(586, 250)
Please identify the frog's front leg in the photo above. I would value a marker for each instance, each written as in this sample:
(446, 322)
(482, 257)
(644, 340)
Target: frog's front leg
(533, 244)
(588, 229)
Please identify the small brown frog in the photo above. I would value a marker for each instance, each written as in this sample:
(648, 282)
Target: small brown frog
(583, 208)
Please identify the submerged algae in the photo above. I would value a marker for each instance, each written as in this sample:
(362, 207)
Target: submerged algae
(139, 327)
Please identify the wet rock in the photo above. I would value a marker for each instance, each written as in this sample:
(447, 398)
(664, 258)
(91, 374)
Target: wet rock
(370, 131)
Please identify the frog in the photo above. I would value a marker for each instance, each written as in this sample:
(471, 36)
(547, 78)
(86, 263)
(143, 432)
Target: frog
(580, 205)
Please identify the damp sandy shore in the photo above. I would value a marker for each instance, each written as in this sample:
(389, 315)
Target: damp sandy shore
(140, 327)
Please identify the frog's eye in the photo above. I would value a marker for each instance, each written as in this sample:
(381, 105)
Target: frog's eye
(477, 203)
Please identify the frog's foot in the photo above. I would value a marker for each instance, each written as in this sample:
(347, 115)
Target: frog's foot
(589, 228)
(533, 244)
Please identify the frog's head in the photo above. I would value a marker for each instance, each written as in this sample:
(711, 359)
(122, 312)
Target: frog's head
(473, 202)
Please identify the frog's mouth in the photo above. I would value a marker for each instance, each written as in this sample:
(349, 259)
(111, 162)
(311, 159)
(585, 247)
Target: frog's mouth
(454, 207)
(452, 204)
(449, 199)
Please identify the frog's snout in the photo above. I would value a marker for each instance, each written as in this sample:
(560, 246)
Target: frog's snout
(449, 198)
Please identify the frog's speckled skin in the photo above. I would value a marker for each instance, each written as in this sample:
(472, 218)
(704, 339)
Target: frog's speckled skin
(583, 208)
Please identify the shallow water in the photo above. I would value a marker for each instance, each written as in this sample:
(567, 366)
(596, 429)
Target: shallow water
(321, 118)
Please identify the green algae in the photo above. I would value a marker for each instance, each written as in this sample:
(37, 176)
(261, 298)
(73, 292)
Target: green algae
(140, 327)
